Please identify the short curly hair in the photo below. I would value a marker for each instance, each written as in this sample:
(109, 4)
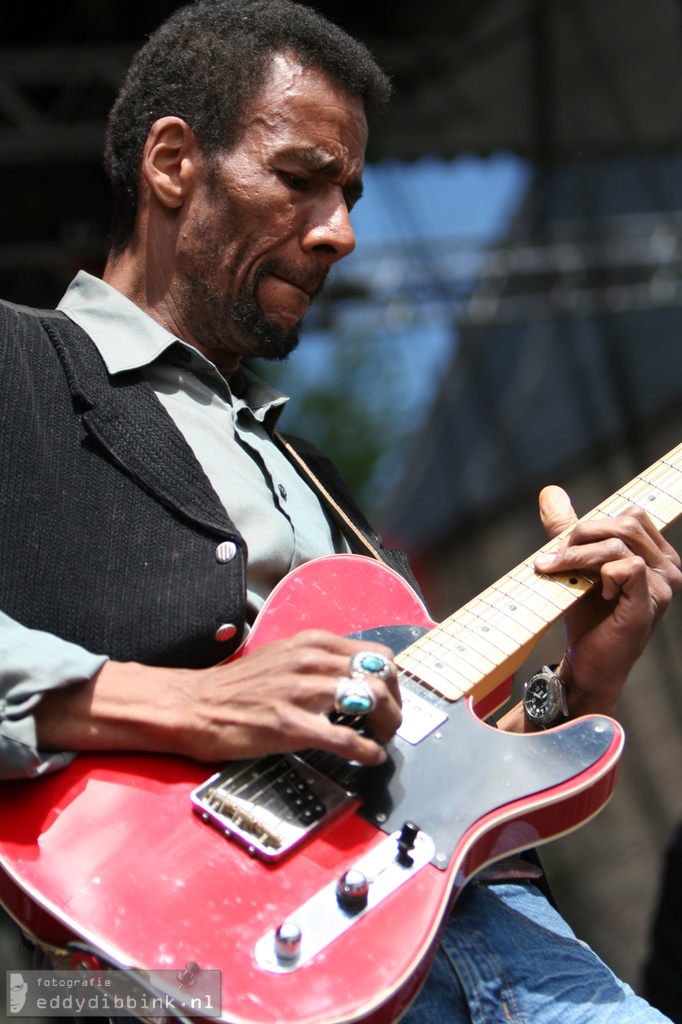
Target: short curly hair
(205, 64)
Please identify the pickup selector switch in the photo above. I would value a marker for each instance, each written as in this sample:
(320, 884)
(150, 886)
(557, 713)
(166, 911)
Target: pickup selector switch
(406, 841)
(352, 890)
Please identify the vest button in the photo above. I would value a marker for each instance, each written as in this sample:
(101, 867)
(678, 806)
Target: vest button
(226, 551)
(226, 631)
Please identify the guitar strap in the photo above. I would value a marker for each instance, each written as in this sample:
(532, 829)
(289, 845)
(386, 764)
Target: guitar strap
(365, 546)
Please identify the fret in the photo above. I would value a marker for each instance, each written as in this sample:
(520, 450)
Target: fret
(654, 492)
(665, 476)
(436, 671)
(513, 601)
(446, 686)
(619, 502)
(478, 631)
(658, 504)
(674, 457)
(523, 588)
(558, 590)
(504, 599)
(489, 637)
(464, 643)
(487, 619)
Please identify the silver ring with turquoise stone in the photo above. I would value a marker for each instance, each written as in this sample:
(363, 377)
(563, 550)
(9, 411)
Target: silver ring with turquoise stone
(369, 663)
(354, 696)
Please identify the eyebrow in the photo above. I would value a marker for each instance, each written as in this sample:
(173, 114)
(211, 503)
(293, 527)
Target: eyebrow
(316, 159)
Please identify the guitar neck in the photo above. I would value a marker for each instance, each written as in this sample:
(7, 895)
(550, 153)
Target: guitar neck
(483, 643)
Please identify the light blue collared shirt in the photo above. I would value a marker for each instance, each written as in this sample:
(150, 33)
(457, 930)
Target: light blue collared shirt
(273, 508)
(228, 426)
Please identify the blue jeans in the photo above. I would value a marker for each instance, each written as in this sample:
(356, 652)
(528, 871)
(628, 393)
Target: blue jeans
(507, 957)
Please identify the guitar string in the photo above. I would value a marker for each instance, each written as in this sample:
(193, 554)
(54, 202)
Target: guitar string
(536, 595)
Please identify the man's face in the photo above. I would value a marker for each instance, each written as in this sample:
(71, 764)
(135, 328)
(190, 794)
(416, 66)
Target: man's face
(17, 992)
(268, 220)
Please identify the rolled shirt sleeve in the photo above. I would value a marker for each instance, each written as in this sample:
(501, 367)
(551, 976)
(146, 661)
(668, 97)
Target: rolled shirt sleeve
(31, 663)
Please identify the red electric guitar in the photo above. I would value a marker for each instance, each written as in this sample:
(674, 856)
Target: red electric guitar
(146, 863)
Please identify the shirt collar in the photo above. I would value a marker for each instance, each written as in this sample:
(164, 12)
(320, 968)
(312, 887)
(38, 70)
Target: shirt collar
(127, 338)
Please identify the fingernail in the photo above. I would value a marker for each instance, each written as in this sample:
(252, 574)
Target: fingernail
(545, 561)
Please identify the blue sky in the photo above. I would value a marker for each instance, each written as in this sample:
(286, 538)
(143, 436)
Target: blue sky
(470, 197)
(427, 204)
(414, 222)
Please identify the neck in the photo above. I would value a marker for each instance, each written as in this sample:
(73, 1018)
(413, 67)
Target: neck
(129, 276)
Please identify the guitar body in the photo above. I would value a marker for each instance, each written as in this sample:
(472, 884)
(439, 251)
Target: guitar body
(109, 851)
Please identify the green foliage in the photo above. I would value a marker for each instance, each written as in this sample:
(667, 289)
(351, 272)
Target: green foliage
(348, 403)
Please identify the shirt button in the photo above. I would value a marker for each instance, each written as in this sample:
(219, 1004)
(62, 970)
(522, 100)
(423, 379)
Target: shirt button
(226, 551)
(283, 491)
(226, 631)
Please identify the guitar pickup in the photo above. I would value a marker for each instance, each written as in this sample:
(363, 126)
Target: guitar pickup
(270, 805)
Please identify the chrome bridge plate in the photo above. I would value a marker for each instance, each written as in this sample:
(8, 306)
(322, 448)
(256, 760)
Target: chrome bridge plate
(321, 919)
(270, 804)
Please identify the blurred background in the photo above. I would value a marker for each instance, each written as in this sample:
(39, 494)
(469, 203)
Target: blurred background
(511, 317)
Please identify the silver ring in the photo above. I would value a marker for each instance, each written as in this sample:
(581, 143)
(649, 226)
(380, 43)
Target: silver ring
(369, 663)
(354, 696)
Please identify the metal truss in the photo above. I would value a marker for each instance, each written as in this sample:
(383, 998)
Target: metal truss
(54, 101)
(578, 268)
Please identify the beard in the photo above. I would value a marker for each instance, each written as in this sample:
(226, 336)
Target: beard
(225, 322)
(273, 342)
(236, 325)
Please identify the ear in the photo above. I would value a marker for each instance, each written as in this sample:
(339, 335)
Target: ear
(169, 160)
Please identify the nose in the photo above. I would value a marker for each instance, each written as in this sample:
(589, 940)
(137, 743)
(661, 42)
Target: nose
(329, 229)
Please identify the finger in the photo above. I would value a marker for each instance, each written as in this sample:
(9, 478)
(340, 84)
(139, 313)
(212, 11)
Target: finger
(630, 532)
(384, 717)
(646, 523)
(556, 512)
(636, 529)
(318, 652)
(595, 542)
(626, 576)
(345, 742)
(388, 655)
(633, 525)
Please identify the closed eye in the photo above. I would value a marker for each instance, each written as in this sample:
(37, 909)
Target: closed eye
(293, 180)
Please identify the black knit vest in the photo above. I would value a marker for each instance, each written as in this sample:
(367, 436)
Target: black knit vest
(109, 528)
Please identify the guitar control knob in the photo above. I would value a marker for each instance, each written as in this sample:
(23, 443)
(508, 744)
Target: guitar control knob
(352, 890)
(288, 942)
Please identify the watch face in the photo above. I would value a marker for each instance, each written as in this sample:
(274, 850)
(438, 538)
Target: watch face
(542, 699)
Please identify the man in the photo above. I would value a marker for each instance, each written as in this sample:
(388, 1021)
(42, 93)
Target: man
(17, 992)
(145, 465)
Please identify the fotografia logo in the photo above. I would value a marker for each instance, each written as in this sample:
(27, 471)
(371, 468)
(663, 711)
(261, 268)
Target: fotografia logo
(17, 989)
(187, 991)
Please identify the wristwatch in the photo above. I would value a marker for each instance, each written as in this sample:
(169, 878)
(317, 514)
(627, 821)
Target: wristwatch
(544, 699)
